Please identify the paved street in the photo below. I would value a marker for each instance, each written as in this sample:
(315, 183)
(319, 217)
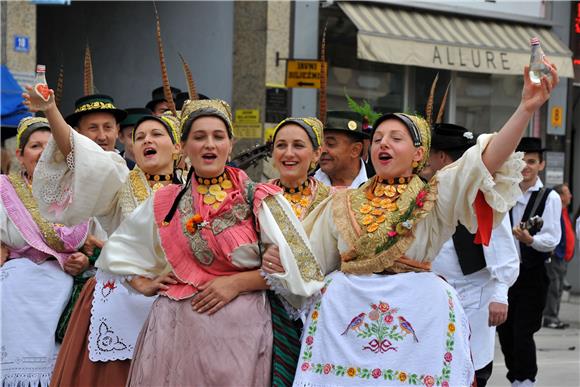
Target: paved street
(558, 352)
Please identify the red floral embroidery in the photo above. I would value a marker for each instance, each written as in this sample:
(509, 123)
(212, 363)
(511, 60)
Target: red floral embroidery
(376, 373)
(429, 380)
(448, 357)
(309, 340)
(327, 369)
(305, 366)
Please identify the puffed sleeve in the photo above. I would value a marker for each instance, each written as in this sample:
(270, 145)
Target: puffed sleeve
(303, 277)
(84, 184)
(459, 183)
(135, 248)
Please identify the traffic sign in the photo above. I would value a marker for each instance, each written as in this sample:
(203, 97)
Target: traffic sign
(557, 112)
(304, 73)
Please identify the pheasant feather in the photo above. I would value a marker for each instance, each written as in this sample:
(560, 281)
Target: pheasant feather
(192, 90)
(442, 107)
(88, 80)
(166, 87)
(429, 107)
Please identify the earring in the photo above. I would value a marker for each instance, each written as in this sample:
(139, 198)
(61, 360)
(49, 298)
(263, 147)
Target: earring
(415, 164)
(175, 156)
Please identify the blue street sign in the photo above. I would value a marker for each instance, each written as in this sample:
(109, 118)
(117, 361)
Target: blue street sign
(21, 43)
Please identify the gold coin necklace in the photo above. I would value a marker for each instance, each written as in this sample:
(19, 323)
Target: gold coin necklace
(381, 197)
(156, 181)
(214, 189)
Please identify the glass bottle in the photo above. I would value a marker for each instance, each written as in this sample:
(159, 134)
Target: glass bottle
(40, 84)
(537, 65)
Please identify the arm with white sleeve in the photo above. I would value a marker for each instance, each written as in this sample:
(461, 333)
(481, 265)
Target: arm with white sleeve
(549, 236)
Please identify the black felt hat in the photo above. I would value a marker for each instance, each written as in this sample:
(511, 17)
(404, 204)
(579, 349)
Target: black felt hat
(157, 96)
(134, 115)
(92, 104)
(347, 122)
(530, 144)
(450, 137)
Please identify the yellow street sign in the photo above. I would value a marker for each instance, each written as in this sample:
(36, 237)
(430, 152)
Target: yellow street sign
(269, 134)
(557, 112)
(247, 116)
(303, 73)
(248, 130)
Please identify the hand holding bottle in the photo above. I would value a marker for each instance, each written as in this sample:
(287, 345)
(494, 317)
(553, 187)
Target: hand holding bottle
(40, 96)
(534, 95)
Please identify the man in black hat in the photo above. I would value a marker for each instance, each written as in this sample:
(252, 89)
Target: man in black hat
(341, 164)
(158, 104)
(126, 133)
(481, 275)
(534, 243)
(97, 118)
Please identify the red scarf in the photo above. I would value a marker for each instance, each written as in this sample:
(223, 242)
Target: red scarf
(569, 235)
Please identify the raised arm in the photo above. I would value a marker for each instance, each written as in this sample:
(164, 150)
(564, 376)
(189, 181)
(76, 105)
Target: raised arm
(58, 126)
(506, 141)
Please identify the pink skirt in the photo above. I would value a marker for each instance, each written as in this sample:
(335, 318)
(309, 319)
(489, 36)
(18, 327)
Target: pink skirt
(180, 347)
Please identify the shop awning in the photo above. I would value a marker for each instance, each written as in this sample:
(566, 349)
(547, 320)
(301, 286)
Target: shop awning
(419, 38)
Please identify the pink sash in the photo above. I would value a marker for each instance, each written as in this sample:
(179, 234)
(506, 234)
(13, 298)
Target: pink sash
(38, 250)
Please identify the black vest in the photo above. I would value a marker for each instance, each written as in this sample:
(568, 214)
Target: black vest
(471, 257)
(532, 258)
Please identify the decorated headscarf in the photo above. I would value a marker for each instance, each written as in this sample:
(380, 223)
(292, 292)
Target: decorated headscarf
(169, 122)
(312, 126)
(418, 129)
(193, 110)
(26, 127)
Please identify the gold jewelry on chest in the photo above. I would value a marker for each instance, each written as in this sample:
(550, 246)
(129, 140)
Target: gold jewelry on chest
(214, 189)
(381, 202)
(299, 197)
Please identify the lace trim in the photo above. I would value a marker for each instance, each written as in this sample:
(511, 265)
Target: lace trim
(277, 286)
(70, 158)
(376, 252)
(46, 228)
(53, 182)
(307, 265)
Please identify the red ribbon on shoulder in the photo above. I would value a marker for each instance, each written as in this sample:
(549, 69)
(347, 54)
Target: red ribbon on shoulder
(484, 215)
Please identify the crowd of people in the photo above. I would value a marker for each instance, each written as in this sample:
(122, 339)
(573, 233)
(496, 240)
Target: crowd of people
(385, 253)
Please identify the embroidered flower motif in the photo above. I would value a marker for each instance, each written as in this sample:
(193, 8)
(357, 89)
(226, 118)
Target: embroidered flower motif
(388, 319)
(445, 383)
(448, 357)
(315, 315)
(392, 234)
(376, 373)
(309, 340)
(384, 307)
(429, 380)
(468, 135)
(327, 369)
(374, 315)
(305, 366)
(402, 376)
(351, 372)
(451, 327)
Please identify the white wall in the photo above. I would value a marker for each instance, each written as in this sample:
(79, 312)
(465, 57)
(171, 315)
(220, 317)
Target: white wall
(122, 40)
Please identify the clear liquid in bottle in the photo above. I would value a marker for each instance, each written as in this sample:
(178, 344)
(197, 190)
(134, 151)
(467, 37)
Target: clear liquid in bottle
(40, 84)
(537, 65)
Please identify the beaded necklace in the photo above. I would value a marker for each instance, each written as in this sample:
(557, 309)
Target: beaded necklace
(298, 197)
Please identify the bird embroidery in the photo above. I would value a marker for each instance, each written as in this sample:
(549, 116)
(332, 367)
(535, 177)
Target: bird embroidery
(407, 327)
(355, 324)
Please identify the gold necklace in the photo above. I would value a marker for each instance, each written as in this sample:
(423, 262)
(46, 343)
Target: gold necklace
(214, 189)
(381, 196)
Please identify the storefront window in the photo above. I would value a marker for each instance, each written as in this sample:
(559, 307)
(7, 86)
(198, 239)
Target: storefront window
(485, 102)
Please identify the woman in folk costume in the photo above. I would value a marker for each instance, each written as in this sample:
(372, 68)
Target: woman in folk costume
(211, 325)
(383, 317)
(104, 326)
(39, 259)
(296, 149)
